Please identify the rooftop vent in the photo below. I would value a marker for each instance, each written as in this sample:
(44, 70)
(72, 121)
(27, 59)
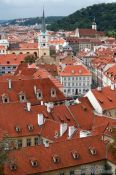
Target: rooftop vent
(109, 99)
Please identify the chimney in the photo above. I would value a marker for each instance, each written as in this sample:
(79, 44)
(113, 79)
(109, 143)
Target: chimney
(35, 89)
(71, 131)
(112, 87)
(50, 106)
(28, 106)
(63, 128)
(10, 84)
(99, 88)
(42, 103)
(46, 143)
(40, 119)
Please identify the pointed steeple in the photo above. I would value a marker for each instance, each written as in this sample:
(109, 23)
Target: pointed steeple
(43, 27)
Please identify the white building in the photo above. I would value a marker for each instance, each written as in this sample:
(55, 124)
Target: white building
(76, 80)
(4, 42)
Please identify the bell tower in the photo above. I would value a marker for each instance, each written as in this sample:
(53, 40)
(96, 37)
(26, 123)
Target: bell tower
(43, 40)
(94, 25)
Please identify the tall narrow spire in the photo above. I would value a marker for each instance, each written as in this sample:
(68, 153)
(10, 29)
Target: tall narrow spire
(43, 27)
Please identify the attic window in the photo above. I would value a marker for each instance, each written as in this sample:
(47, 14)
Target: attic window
(8, 62)
(39, 94)
(75, 155)
(92, 150)
(18, 129)
(53, 92)
(34, 163)
(30, 127)
(5, 98)
(56, 159)
(13, 167)
(22, 97)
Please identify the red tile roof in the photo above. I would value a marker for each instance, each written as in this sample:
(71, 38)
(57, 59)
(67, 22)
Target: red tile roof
(27, 86)
(63, 150)
(106, 97)
(75, 70)
(11, 59)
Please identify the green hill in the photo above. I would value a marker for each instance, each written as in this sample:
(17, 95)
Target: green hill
(31, 21)
(105, 15)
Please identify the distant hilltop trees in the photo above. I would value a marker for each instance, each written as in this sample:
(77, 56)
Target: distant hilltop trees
(105, 15)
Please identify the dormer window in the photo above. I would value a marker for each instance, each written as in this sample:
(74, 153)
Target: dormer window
(34, 163)
(39, 94)
(53, 92)
(22, 97)
(30, 127)
(18, 129)
(5, 98)
(13, 167)
(56, 159)
(75, 155)
(92, 150)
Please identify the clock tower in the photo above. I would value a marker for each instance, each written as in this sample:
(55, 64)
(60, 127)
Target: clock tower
(43, 40)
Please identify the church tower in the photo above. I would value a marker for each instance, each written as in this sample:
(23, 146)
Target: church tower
(94, 25)
(43, 39)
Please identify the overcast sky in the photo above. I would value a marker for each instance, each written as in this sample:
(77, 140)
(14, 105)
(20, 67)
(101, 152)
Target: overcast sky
(10, 9)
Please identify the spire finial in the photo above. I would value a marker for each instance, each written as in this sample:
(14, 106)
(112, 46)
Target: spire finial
(43, 28)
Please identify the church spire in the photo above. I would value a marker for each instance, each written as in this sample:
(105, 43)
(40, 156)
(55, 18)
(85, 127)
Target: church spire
(43, 27)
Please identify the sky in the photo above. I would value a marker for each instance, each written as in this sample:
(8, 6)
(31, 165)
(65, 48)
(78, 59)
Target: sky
(12, 9)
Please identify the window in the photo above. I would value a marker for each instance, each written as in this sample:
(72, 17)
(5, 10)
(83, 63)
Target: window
(53, 92)
(72, 172)
(39, 94)
(36, 140)
(28, 142)
(56, 159)
(34, 163)
(22, 97)
(19, 143)
(13, 167)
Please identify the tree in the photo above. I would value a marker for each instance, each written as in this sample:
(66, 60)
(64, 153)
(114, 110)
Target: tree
(6, 144)
(30, 59)
(112, 146)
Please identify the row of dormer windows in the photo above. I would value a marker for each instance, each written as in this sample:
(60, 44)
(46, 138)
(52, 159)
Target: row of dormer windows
(22, 96)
